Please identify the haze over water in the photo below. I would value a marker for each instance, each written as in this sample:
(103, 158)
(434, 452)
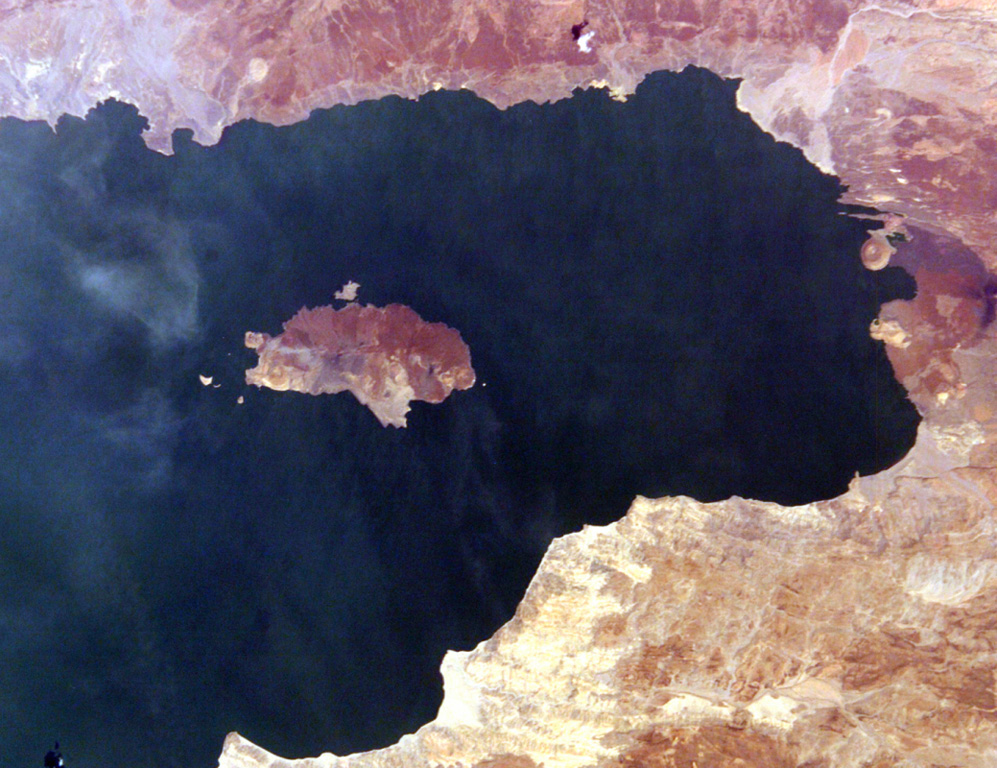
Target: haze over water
(658, 298)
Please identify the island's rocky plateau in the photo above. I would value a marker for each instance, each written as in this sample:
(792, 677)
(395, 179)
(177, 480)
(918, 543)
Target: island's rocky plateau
(387, 357)
(857, 631)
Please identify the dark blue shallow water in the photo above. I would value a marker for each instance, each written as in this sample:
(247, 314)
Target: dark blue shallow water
(660, 299)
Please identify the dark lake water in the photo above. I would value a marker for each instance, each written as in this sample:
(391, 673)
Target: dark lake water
(658, 299)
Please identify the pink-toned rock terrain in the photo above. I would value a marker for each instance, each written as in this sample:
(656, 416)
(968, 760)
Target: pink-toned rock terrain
(857, 631)
(386, 357)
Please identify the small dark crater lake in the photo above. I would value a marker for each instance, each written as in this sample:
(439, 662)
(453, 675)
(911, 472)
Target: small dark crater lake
(659, 299)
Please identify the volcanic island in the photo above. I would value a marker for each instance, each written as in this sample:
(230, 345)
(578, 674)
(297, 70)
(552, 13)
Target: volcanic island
(386, 356)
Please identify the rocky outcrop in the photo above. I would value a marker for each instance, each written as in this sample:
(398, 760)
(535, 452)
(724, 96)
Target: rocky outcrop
(385, 357)
(857, 631)
(891, 96)
(854, 631)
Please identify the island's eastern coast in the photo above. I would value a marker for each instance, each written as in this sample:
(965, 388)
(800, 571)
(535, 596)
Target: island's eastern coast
(387, 357)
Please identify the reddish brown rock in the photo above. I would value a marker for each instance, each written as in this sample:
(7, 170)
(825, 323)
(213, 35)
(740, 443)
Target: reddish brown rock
(857, 631)
(951, 315)
(886, 94)
(385, 357)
